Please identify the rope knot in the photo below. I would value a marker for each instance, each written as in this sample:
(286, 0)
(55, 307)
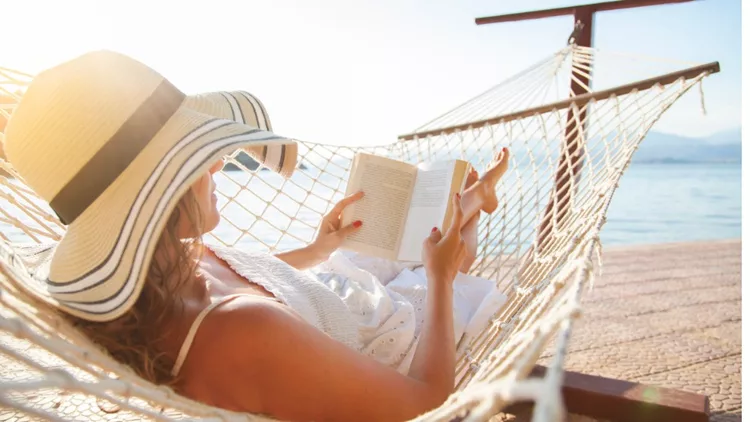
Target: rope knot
(576, 312)
(523, 292)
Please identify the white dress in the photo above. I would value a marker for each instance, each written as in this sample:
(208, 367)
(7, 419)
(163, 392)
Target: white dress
(372, 305)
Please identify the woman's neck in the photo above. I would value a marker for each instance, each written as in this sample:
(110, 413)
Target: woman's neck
(190, 294)
(178, 265)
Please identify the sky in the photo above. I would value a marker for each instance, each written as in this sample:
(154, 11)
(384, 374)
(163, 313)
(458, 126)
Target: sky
(363, 72)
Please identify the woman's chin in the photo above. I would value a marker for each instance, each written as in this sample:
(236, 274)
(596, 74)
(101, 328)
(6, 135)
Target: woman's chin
(212, 221)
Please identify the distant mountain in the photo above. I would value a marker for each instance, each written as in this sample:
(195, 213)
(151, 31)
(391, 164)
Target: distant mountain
(657, 147)
(667, 148)
(731, 136)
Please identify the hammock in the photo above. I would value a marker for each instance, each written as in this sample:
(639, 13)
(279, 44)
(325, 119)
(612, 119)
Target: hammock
(568, 154)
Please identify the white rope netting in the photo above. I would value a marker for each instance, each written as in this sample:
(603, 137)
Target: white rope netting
(567, 158)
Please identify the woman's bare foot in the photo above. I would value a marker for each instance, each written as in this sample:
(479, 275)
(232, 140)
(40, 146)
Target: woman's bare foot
(489, 179)
(479, 192)
(472, 178)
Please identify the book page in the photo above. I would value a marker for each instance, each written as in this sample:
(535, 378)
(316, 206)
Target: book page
(428, 206)
(387, 185)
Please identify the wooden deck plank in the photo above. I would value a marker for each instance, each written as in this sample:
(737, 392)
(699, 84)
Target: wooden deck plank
(623, 401)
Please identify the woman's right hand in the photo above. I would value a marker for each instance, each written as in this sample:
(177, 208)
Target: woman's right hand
(442, 255)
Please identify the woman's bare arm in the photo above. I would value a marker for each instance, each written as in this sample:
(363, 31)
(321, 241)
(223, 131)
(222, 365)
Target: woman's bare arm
(442, 256)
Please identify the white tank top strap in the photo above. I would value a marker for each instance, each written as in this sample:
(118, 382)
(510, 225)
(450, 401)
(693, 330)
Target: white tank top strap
(198, 320)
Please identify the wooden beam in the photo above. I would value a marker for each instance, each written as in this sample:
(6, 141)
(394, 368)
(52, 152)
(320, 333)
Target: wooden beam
(579, 100)
(623, 401)
(571, 10)
(574, 149)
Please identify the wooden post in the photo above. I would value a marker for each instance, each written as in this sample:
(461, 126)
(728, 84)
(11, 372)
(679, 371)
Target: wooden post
(571, 154)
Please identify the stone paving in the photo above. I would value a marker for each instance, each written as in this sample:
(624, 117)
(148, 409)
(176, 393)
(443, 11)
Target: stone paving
(666, 315)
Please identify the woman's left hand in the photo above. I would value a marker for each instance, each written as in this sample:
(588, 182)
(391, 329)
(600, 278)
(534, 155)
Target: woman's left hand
(330, 233)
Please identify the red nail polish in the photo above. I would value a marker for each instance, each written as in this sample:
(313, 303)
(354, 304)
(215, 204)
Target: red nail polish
(434, 229)
(357, 223)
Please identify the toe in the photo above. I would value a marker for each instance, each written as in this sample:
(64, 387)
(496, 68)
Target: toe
(503, 155)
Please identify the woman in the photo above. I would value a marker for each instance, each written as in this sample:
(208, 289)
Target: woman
(126, 160)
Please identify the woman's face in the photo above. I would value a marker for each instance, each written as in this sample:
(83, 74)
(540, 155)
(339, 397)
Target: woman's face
(205, 197)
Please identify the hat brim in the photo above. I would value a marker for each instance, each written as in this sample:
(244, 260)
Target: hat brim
(98, 268)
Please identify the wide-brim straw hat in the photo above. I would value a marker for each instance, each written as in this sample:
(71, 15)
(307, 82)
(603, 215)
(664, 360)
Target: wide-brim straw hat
(112, 146)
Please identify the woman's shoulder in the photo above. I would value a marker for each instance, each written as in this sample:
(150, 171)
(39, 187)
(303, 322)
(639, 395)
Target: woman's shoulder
(236, 340)
(239, 319)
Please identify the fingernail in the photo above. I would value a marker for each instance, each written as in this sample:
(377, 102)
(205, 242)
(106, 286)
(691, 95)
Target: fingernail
(357, 223)
(434, 229)
(458, 196)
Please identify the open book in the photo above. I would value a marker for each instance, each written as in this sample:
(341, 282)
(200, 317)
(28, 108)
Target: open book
(402, 204)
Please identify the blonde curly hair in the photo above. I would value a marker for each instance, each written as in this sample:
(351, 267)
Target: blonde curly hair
(132, 338)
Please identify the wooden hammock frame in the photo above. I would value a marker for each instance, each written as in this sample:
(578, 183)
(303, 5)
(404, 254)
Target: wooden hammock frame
(597, 397)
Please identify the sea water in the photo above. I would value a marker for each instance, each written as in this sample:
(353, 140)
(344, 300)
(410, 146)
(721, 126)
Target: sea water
(659, 203)
(655, 203)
